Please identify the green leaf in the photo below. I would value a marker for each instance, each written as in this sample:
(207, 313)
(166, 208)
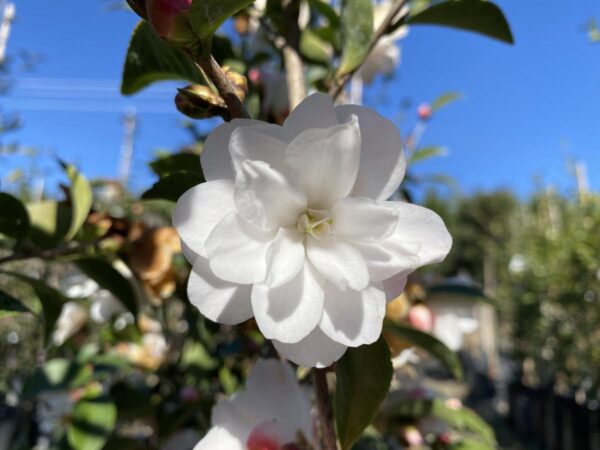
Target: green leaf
(172, 186)
(92, 422)
(149, 59)
(81, 197)
(327, 11)
(463, 419)
(208, 15)
(444, 100)
(178, 162)
(364, 375)
(107, 276)
(14, 220)
(357, 33)
(51, 300)
(50, 222)
(472, 15)
(314, 48)
(426, 153)
(57, 374)
(10, 306)
(432, 345)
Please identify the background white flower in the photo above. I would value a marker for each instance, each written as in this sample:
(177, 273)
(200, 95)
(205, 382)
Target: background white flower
(386, 54)
(294, 218)
(272, 412)
(72, 318)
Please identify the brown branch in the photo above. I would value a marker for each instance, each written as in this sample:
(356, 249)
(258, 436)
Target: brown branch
(383, 29)
(224, 85)
(327, 431)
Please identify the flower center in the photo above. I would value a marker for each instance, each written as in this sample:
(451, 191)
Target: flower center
(315, 222)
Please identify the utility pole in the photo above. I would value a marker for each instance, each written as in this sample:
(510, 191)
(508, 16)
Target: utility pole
(127, 145)
(8, 14)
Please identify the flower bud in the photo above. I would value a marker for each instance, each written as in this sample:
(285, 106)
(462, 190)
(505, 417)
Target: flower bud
(420, 317)
(170, 21)
(138, 7)
(200, 102)
(424, 111)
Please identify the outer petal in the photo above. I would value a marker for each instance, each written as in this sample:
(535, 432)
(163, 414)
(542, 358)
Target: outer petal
(382, 163)
(290, 312)
(395, 285)
(421, 225)
(265, 142)
(216, 299)
(353, 318)
(387, 258)
(338, 262)
(316, 111)
(267, 198)
(199, 210)
(220, 438)
(361, 219)
(237, 250)
(315, 350)
(285, 257)
(216, 162)
(326, 161)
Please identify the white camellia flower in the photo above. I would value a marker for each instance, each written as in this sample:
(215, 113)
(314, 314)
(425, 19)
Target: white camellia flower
(293, 227)
(72, 318)
(385, 56)
(273, 412)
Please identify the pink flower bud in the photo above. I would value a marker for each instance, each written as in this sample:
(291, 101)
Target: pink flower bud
(266, 436)
(170, 20)
(420, 317)
(424, 111)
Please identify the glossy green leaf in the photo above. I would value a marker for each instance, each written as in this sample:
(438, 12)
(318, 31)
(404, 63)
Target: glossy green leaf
(314, 48)
(14, 220)
(208, 15)
(172, 186)
(479, 16)
(357, 33)
(432, 345)
(444, 100)
(363, 375)
(327, 11)
(177, 162)
(50, 222)
(57, 374)
(149, 59)
(10, 306)
(461, 419)
(427, 152)
(91, 423)
(51, 300)
(80, 196)
(107, 276)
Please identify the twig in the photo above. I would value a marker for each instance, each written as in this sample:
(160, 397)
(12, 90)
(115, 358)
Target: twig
(327, 431)
(226, 88)
(50, 254)
(291, 56)
(337, 89)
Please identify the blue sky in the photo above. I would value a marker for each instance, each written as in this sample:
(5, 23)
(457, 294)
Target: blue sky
(525, 110)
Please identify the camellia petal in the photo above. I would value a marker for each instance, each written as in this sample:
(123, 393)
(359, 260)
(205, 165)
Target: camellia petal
(423, 226)
(395, 285)
(361, 219)
(266, 198)
(387, 258)
(326, 160)
(265, 142)
(220, 438)
(215, 158)
(338, 262)
(382, 163)
(199, 210)
(285, 257)
(290, 312)
(316, 111)
(237, 250)
(315, 350)
(353, 318)
(216, 299)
